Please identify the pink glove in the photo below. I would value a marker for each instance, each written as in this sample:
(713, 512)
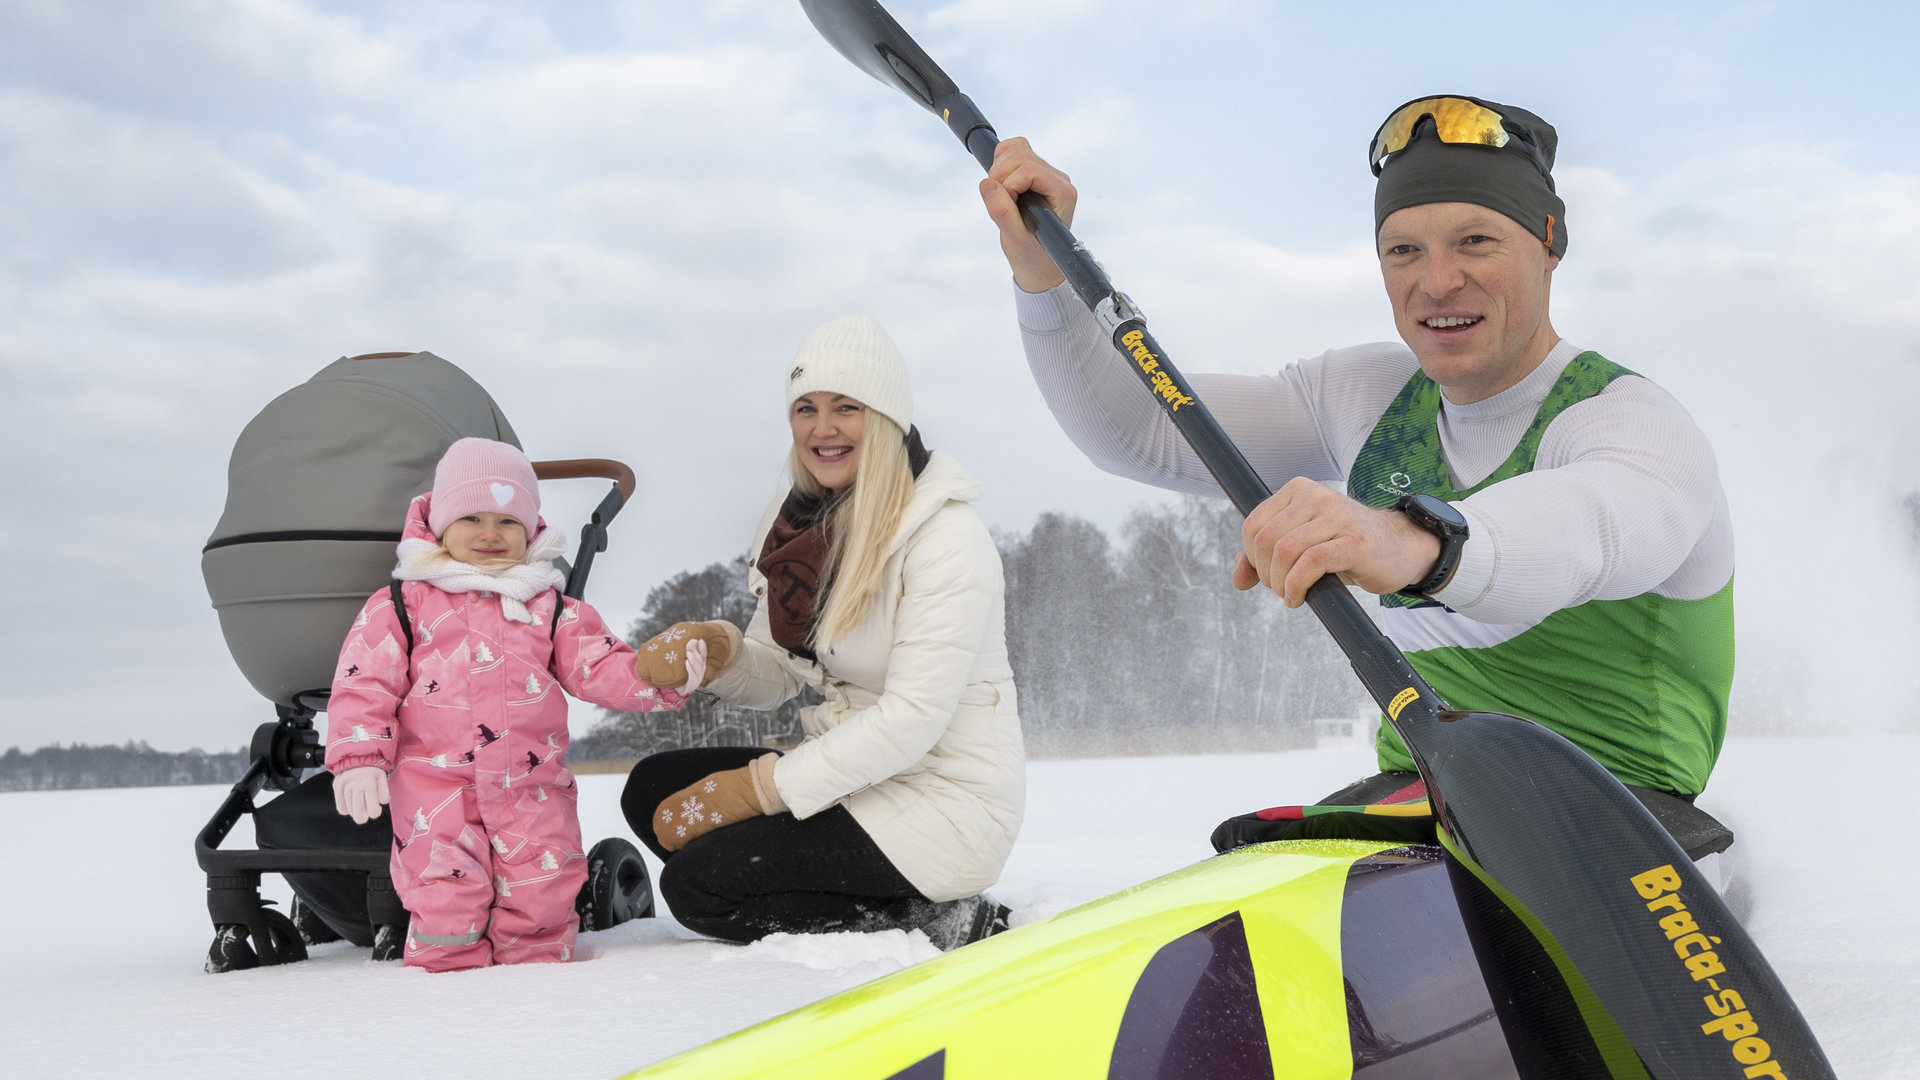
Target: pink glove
(360, 792)
(696, 666)
(661, 660)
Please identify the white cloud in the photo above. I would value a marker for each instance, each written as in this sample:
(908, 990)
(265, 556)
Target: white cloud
(219, 63)
(92, 186)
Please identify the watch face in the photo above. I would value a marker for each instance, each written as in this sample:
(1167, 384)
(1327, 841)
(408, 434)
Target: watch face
(1441, 512)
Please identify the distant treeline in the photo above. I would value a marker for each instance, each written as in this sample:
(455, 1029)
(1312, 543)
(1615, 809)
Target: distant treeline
(1134, 646)
(134, 764)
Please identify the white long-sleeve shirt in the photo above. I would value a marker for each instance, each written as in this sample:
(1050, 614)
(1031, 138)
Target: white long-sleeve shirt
(1624, 497)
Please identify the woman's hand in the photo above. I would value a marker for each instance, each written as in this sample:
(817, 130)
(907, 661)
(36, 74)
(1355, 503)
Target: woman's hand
(720, 798)
(662, 660)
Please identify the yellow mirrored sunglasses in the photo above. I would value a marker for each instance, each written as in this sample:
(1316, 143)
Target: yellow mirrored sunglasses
(1455, 120)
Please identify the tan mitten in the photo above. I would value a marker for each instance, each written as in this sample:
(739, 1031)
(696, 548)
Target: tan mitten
(662, 660)
(718, 799)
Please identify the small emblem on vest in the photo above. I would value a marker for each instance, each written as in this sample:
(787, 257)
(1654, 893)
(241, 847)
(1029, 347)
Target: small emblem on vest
(1397, 484)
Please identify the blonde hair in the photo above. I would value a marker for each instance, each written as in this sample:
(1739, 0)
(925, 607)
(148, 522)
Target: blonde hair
(865, 517)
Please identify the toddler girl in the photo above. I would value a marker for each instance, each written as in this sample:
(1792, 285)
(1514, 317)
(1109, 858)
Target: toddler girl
(457, 718)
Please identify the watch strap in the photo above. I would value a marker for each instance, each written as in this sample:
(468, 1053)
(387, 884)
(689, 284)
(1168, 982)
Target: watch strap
(1453, 539)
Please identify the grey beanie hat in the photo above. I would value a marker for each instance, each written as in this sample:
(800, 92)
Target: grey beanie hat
(852, 355)
(1507, 179)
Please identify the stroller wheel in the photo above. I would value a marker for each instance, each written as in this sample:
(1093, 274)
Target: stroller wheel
(312, 928)
(617, 887)
(388, 941)
(231, 950)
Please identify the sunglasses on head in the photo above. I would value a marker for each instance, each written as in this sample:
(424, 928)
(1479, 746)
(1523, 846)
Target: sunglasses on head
(1456, 120)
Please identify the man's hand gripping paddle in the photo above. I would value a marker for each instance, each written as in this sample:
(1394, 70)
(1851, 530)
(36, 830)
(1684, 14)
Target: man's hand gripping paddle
(1613, 955)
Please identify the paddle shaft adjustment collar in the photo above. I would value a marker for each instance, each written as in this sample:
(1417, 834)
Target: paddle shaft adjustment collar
(1116, 311)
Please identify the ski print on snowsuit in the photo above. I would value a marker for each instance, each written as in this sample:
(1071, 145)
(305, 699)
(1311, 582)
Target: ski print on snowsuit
(487, 848)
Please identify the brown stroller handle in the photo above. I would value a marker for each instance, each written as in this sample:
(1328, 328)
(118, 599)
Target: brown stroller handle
(582, 468)
(593, 535)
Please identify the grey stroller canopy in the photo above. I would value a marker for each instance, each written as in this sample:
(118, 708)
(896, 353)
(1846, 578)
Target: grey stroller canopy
(316, 492)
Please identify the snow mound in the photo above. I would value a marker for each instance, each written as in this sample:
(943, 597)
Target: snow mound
(836, 952)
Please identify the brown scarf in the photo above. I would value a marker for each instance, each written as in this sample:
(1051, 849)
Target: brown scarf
(796, 552)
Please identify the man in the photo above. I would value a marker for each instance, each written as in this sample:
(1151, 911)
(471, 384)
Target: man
(1545, 529)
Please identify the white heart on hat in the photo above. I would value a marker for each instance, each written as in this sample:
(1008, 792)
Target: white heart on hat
(502, 493)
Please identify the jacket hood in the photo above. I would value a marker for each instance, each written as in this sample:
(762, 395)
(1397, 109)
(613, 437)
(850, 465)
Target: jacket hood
(941, 482)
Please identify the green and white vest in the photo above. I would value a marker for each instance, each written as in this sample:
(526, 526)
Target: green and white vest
(1640, 683)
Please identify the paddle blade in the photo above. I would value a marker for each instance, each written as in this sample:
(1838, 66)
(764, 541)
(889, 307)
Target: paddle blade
(1632, 925)
(863, 32)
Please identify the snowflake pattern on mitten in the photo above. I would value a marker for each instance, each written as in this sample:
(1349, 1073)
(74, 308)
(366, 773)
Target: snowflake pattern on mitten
(692, 812)
(665, 637)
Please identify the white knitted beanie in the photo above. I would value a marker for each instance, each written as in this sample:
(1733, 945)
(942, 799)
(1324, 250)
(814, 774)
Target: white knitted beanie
(852, 355)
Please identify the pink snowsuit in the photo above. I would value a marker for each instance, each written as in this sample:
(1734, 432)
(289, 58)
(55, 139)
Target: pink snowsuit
(472, 730)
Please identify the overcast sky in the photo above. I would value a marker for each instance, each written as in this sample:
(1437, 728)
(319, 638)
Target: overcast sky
(622, 218)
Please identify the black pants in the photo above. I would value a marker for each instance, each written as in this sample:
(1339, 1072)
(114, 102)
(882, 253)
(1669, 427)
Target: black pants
(772, 874)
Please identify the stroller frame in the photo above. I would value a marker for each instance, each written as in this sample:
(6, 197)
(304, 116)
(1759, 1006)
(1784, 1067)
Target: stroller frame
(247, 930)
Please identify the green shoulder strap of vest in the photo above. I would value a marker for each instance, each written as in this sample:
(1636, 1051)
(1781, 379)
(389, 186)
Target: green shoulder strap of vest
(1403, 454)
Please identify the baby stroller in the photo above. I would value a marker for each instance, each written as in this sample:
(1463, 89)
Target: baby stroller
(317, 487)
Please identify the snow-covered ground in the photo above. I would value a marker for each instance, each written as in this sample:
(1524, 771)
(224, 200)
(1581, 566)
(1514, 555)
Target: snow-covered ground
(106, 917)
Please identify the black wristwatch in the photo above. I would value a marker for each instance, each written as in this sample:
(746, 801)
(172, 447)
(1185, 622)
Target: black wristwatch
(1442, 520)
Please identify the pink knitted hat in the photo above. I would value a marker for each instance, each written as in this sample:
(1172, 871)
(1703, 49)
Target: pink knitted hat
(481, 475)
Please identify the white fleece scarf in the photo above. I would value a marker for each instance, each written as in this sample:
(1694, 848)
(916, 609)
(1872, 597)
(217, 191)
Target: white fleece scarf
(425, 560)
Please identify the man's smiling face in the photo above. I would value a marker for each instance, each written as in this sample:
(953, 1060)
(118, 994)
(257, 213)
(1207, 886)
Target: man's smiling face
(1469, 288)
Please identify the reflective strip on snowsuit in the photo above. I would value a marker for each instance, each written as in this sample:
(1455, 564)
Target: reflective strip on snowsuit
(1640, 683)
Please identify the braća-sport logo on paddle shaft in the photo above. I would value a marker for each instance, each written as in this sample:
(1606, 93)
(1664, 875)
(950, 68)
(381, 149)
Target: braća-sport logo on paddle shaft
(1149, 362)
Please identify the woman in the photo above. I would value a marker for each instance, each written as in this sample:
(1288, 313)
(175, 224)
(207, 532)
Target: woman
(880, 588)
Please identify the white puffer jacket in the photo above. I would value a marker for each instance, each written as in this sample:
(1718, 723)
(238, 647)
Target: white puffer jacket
(919, 734)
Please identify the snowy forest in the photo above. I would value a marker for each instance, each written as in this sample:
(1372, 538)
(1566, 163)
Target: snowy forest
(1131, 645)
